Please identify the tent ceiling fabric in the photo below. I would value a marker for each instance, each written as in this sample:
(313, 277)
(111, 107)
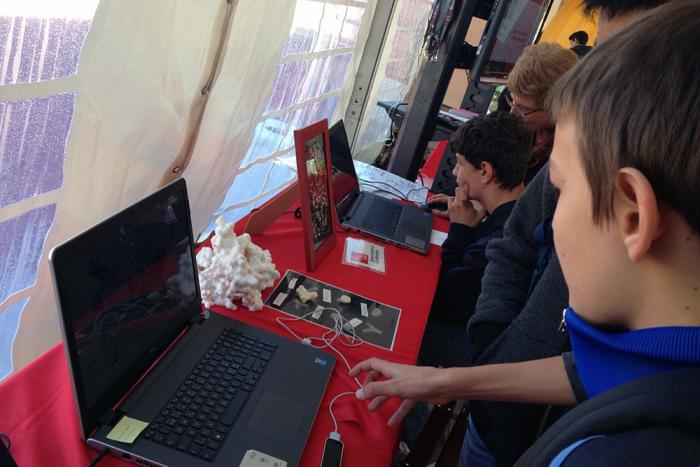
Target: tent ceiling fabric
(141, 70)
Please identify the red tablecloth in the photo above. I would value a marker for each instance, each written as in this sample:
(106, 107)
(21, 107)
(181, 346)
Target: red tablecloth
(38, 413)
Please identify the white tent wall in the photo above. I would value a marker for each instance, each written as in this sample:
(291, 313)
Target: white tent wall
(238, 104)
(141, 71)
(398, 65)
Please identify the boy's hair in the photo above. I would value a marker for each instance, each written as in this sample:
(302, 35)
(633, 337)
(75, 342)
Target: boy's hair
(502, 140)
(635, 102)
(579, 36)
(612, 8)
(538, 68)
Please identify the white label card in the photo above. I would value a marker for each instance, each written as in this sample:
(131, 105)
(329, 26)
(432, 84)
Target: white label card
(279, 299)
(363, 309)
(327, 296)
(437, 237)
(318, 312)
(364, 254)
(292, 283)
(355, 322)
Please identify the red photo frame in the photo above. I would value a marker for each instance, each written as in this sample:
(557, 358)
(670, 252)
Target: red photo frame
(318, 212)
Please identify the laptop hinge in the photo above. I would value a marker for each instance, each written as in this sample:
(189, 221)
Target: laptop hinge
(111, 417)
(353, 207)
(198, 318)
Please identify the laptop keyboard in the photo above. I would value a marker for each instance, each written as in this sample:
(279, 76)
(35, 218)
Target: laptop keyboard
(383, 217)
(200, 414)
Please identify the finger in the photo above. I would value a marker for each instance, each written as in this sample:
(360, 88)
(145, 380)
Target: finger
(367, 365)
(374, 389)
(377, 402)
(371, 376)
(437, 197)
(439, 213)
(401, 412)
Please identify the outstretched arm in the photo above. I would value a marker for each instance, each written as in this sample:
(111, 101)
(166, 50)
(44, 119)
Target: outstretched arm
(542, 381)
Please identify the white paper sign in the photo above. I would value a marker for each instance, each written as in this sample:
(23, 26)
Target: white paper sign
(327, 296)
(364, 254)
(363, 309)
(437, 237)
(280, 298)
(292, 283)
(318, 312)
(355, 322)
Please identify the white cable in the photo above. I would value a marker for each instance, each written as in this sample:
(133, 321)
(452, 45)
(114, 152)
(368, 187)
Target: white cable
(339, 323)
(330, 408)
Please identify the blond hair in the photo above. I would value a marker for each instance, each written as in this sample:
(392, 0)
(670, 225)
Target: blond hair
(538, 68)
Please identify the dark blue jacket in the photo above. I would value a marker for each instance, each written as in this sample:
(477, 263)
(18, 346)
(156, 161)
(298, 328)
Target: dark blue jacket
(651, 421)
(463, 264)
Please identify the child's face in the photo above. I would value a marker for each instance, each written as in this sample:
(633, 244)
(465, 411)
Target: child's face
(592, 257)
(468, 177)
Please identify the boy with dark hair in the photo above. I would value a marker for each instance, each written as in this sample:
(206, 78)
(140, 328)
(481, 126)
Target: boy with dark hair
(578, 38)
(626, 164)
(578, 43)
(492, 160)
(492, 157)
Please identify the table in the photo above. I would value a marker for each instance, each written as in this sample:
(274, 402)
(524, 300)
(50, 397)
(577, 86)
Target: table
(39, 415)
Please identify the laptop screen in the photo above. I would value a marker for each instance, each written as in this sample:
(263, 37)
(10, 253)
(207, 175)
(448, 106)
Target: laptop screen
(345, 185)
(127, 289)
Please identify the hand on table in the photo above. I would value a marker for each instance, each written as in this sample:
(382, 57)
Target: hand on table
(411, 383)
(440, 198)
(462, 211)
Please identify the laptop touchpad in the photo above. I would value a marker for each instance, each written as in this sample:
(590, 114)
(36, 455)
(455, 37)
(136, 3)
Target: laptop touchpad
(277, 417)
(414, 233)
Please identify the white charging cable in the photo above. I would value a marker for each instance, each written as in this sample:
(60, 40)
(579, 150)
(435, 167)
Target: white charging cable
(327, 339)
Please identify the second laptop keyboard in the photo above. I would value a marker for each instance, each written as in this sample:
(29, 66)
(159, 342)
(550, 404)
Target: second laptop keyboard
(383, 217)
(199, 416)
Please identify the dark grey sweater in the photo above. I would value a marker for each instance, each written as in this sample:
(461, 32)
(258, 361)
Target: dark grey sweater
(509, 326)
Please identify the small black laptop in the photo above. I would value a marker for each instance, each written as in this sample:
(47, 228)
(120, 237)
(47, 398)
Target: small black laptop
(390, 220)
(138, 345)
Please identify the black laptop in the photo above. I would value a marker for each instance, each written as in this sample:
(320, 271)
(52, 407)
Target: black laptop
(390, 220)
(214, 388)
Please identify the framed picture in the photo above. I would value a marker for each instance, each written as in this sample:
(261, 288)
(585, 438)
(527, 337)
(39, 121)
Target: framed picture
(315, 191)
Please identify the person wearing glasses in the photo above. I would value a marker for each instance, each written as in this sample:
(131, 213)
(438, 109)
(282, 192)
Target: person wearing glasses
(534, 74)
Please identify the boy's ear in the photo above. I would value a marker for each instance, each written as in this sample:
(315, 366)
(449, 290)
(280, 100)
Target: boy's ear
(636, 211)
(487, 172)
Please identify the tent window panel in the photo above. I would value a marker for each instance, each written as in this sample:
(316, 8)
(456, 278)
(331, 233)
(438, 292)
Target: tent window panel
(269, 133)
(9, 324)
(351, 26)
(33, 136)
(319, 27)
(246, 186)
(288, 83)
(35, 49)
(21, 243)
(280, 177)
(305, 25)
(278, 132)
(401, 67)
(303, 80)
(307, 114)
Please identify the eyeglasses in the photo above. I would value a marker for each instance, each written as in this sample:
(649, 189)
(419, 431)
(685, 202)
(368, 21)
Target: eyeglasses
(518, 109)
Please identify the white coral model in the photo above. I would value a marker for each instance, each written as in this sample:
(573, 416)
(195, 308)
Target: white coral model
(235, 269)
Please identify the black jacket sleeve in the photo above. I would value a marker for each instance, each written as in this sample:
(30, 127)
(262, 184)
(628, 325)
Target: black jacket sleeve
(459, 284)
